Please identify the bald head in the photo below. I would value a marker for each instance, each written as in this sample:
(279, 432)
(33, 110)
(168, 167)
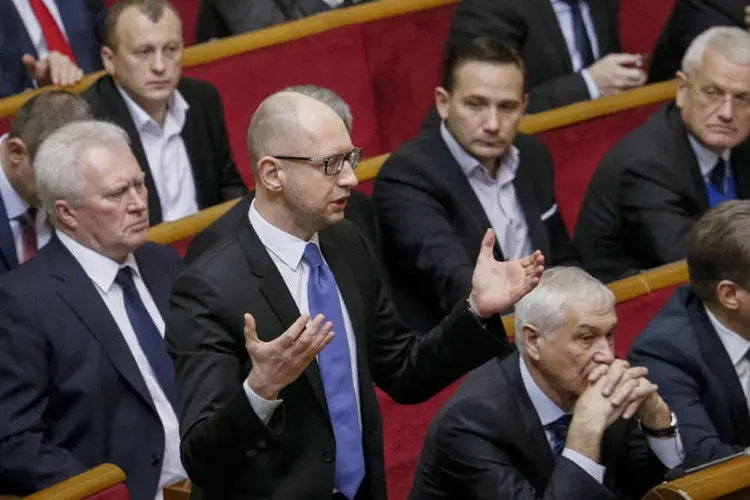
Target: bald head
(288, 123)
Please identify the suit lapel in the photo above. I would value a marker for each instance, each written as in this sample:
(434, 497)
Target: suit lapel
(8, 257)
(157, 281)
(191, 137)
(525, 195)
(277, 296)
(76, 289)
(686, 159)
(546, 13)
(740, 163)
(718, 361)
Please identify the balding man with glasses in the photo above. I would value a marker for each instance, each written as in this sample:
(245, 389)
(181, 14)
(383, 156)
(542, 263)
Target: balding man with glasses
(691, 155)
(280, 330)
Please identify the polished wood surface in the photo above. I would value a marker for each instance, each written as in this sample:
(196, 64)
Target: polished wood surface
(83, 485)
(178, 491)
(729, 480)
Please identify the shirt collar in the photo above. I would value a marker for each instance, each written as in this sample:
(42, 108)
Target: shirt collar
(285, 246)
(735, 344)
(545, 408)
(100, 269)
(706, 158)
(470, 165)
(15, 206)
(176, 108)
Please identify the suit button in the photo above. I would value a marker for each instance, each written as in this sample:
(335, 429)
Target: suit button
(155, 459)
(262, 444)
(327, 457)
(251, 453)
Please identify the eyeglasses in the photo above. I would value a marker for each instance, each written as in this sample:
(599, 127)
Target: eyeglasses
(332, 165)
(714, 96)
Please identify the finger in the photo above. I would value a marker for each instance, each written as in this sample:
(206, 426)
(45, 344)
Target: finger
(614, 376)
(291, 335)
(624, 59)
(631, 408)
(29, 62)
(628, 77)
(319, 339)
(597, 373)
(488, 245)
(55, 70)
(622, 392)
(305, 338)
(251, 336)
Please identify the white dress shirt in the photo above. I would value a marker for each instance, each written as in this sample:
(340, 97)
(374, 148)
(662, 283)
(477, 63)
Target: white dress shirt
(15, 208)
(668, 450)
(565, 20)
(286, 252)
(167, 156)
(497, 196)
(102, 271)
(737, 347)
(707, 159)
(30, 22)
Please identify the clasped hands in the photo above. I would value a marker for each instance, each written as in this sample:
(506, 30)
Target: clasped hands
(496, 286)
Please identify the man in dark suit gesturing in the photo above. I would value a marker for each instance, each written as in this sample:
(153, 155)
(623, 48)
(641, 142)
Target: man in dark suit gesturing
(570, 47)
(176, 125)
(696, 348)
(692, 154)
(437, 194)
(280, 407)
(85, 377)
(554, 421)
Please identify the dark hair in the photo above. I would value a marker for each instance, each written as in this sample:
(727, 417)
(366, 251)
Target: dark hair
(481, 49)
(152, 9)
(718, 248)
(45, 113)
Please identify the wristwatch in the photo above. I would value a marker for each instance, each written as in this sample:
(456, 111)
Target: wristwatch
(666, 432)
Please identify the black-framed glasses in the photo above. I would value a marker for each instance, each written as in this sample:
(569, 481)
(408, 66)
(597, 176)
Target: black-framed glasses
(332, 165)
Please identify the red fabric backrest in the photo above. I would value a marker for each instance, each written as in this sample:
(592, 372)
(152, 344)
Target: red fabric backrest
(116, 492)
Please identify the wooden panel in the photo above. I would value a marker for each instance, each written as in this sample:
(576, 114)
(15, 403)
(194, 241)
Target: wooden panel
(729, 480)
(83, 485)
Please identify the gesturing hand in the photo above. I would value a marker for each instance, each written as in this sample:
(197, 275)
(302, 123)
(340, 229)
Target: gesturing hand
(278, 363)
(496, 285)
(56, 69)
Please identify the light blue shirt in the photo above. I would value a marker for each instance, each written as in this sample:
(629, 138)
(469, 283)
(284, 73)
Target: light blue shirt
(564, 16)
(669, 450)
(497, 196)
(706, 158)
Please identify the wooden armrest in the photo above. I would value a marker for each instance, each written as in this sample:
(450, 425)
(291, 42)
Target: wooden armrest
(83, 485)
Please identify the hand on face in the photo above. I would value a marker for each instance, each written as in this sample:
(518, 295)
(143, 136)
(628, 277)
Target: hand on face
(498, 285)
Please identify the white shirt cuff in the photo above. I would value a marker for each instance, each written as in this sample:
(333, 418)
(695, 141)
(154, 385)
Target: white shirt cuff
(590, 84)
(592, 468)
(262, 407)
(669, 451)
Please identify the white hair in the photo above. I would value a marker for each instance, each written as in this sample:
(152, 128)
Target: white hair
(57, 165)
(731, 42)
(560, 290)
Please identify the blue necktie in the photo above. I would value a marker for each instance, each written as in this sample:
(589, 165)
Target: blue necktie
(336, 372)
(149, 337)
(559, 429)
(718, 176)
(583, 44)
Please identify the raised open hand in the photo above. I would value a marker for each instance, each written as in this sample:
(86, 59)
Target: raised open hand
(496, 286)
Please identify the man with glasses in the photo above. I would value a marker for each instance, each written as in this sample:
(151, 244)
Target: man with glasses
(280, 330)
(690, 156)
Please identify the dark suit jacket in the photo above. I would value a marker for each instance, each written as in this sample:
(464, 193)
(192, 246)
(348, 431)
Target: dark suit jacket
(689, 19)
(8, 256)
(226, 449)
(433, 223)
(645, 196)
(84, 25)
(487, 442)
(360, 210)
(204, 134)
(532, 28)
(71, 394)
(687, 360)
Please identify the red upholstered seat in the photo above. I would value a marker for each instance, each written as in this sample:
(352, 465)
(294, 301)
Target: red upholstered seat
(116, 492)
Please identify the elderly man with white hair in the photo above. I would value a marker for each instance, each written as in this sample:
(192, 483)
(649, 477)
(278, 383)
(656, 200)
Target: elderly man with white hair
(560, 419)
(691, 155)
(84, 373)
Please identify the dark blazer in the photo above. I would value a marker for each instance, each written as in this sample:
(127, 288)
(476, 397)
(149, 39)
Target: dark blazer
(360, 210)
(532, 28)
(205, 137)
(226, 449)
(687, 360)
(487, 442)
(433, 222)
(8, 256)
(71, 394)
(689, 19)
(84, 25)
(645, 196)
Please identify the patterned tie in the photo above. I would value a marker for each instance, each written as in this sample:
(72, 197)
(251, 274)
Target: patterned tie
(51, 32)
(582, 42)
(336, 372)
(149, 337)
(559, 430)
(27, 222)
(718, 176)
